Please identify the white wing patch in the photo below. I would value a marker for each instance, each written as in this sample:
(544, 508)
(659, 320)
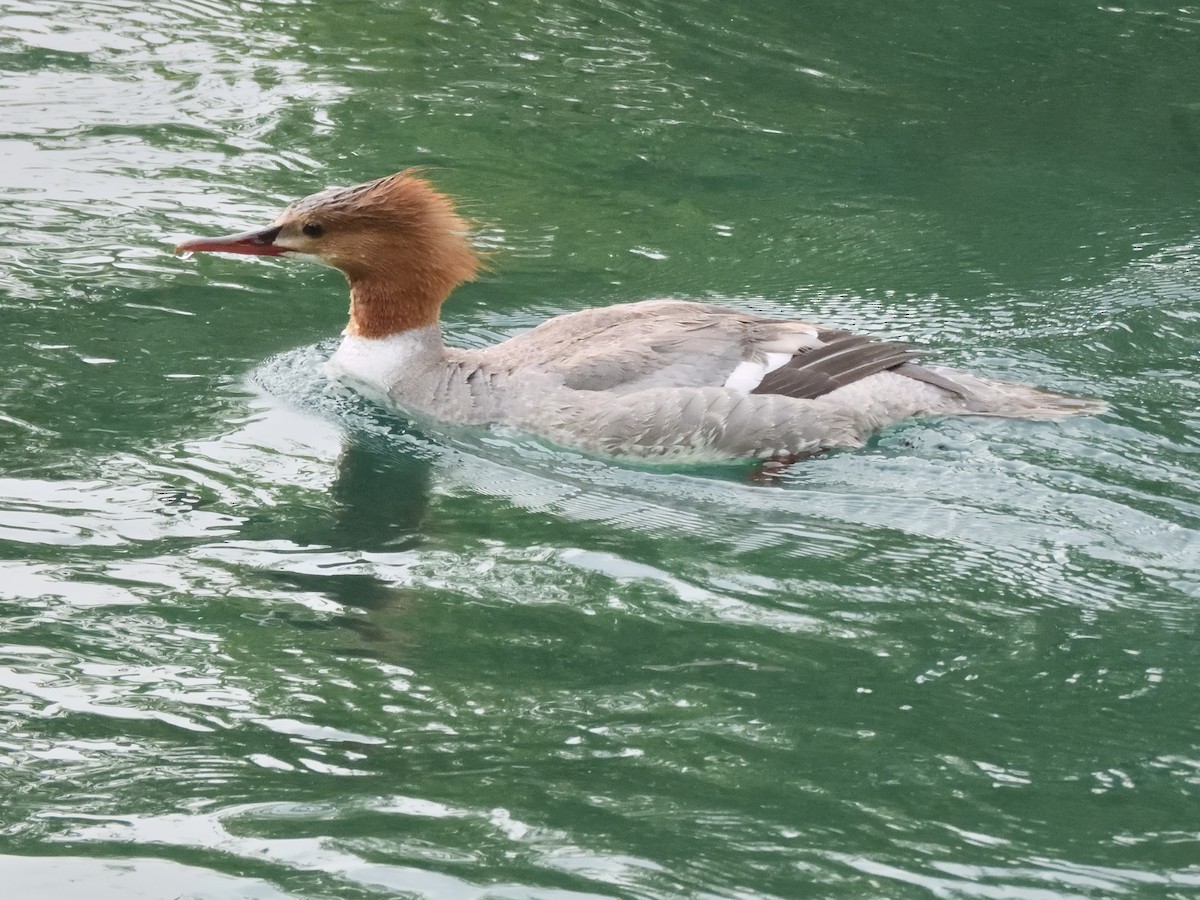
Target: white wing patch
(748, 374)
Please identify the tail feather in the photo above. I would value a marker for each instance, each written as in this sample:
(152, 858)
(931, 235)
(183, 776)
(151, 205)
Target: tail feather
(978, 396)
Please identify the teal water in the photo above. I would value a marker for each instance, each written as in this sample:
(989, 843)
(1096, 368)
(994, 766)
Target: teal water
(262, 640)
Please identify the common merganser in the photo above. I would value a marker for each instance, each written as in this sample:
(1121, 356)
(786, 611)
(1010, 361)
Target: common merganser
(658, 379)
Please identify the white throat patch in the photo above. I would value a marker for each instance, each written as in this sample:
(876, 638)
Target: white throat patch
(373, 366)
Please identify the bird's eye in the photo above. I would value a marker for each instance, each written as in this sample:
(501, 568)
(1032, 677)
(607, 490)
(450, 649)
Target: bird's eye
(312, 229)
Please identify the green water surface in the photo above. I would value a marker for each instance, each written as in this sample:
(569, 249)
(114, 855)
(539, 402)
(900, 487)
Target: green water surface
(260, 639)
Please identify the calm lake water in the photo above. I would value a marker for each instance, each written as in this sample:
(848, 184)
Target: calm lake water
(263, 640)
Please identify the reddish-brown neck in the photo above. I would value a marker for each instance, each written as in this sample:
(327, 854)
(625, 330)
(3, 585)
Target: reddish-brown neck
(398, 286)
(382, 307)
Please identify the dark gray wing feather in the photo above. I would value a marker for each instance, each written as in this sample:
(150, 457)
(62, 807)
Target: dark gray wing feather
(920, 373)
(843, 359)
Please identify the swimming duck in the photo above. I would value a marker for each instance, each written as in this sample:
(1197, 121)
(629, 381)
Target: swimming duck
(663, 380)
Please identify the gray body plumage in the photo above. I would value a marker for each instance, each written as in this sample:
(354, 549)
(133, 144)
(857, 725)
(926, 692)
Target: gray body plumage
(681, 381)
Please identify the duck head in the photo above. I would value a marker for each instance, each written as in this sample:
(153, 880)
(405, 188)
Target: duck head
(400, 243)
